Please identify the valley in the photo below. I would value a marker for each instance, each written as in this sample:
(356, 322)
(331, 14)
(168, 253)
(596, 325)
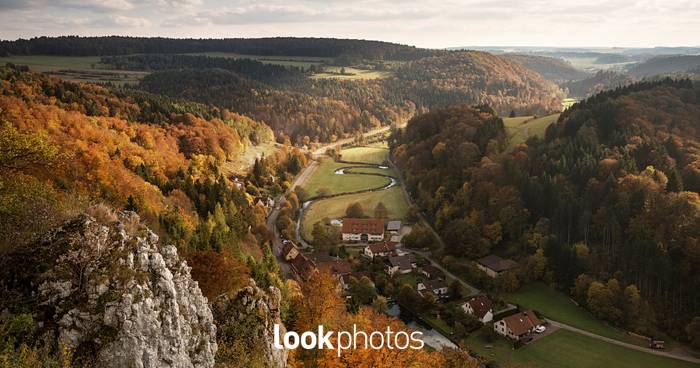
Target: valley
(556, 349)
(340, 182)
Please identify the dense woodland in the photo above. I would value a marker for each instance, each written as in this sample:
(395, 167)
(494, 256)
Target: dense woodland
(603, 80)
(278, 46)
(605, 207)
(68, 148)
(308, 109)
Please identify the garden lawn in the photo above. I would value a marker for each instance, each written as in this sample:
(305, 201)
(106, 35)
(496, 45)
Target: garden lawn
(567, 349)
(557, 306)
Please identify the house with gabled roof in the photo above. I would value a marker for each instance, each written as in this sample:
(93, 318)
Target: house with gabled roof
(382, 249)
(480, 307)
(437, 287)
(363, 230)
(399, 264)
(517, 325)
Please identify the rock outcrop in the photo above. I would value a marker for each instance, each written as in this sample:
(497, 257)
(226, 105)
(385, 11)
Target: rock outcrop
(250, 316)
(106, 292)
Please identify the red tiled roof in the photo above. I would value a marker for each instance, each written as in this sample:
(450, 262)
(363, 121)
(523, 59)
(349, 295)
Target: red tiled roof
(363, 226)
(303, 267)
(480, 305)
(522, 322)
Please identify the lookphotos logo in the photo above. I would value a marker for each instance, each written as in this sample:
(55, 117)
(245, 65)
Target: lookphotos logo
(345, 340)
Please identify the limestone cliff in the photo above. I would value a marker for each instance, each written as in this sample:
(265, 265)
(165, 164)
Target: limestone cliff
(249, 318)
(108, 294)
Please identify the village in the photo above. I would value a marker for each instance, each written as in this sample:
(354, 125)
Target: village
(438, 301)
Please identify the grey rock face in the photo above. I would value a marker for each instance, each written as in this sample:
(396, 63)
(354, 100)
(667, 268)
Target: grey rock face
(112, 293)
(250, 316)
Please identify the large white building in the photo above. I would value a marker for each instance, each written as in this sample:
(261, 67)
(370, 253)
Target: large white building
(363, 230)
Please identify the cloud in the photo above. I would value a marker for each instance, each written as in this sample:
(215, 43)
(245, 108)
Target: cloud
(124, 21)
(419, 22)
(267, 14)
(184, 4)
(92, 5)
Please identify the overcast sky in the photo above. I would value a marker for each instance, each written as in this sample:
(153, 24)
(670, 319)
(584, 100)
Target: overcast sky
(425, 23)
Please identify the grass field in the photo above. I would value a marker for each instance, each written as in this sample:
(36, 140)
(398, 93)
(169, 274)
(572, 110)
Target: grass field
(519, 129)
(334, 208)
(325, 177)
(557, 306)
(566, 349)
(372, 155)
(350, 73)
(75, 68)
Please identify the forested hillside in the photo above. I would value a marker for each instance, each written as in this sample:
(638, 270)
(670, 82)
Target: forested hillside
(603, 80)
(308, 109)
(476, 78)
(66, 146)
(550, 68)
(666, 65)
(606, 206)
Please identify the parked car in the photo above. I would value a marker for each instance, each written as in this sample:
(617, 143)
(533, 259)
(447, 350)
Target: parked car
(540, 329)
(657, 344)
(526, 339)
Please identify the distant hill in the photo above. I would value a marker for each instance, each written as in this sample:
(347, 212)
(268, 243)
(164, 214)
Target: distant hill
(553, 69)
(286, 46)
(601, 81)
(666, 65)
(478, 77)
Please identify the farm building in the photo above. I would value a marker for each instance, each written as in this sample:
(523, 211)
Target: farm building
(494, 265)
(363, 230)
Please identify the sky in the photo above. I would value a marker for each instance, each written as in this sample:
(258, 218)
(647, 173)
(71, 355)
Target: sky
(423, 23)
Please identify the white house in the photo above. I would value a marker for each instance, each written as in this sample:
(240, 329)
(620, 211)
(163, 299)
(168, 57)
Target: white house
(480, 307)
(400, 264)
(437, 287)
(363, 230)
(518, 325)
(382, 249)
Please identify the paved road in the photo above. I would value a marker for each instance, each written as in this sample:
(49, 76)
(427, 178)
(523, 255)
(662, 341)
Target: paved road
(676, 355)
(472, 290)
(673, 355)
(272, 218)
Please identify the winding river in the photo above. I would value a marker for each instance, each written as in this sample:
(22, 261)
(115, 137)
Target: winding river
(345, 170)
(431, 337)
